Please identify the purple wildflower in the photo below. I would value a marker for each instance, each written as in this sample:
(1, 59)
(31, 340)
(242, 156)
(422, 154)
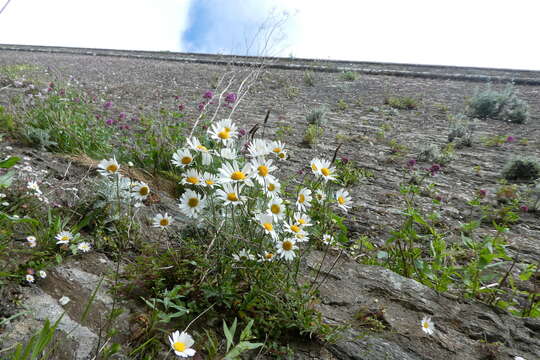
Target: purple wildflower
(524, 208)
(344, 160)
(411, 163)
(109, 121)
(107, 105)
(510, 139)
(122, 115)
(241, 132)
(482, 193)
(208, 95)
(201, 106)
(181, 107)
(434, 169)
(230, 98)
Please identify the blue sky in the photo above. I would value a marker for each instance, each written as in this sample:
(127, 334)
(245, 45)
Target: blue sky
(488, 33)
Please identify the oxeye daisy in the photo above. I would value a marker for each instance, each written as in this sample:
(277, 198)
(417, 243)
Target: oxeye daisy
(209, 180)
(84, 247)
(32, 185)
(182, 158)
(181, 344)
(223, 131)
(64, 237)
(259, 148)
(302, 220)
(303, 200)
(42, 274)
(162, 221)
(140, 191)
(277, 147)
(276, 208)
(261, 170)
(196, 145)
(323, 168)
(286, 248)
(32, 242)
(266, 221)
(191, 203)
(192, 177)
(301, 236)
(231, 172)
(230, 194)
(228, 153)
(272, 188)
(344, 200)
(328, 239)
(267, 256)
(30, 278)
(293, 228)
(427, 325)
(319, 195)
(243, 255)
(108, 167)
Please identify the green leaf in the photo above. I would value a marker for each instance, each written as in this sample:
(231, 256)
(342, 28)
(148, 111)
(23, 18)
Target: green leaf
(6, 179)
(5, 164)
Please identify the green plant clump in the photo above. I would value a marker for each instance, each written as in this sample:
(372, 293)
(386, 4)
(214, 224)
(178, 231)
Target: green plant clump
(521, 168)
(401, 103)
(317, 116)
(502, 105)
(349, 75)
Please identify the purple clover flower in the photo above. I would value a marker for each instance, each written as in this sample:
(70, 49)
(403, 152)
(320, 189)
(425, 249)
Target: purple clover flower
(201, 106)
(109, 122)
(510, 139)
(230, 98)
(482, 193)
(208, 95)
(411, 163)
(122, 115)
(107, 105)
(241, 132)
(524, 208)
(434, 169)
(181, 107)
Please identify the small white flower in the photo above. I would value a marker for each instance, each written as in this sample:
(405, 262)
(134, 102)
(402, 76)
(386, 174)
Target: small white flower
(243, 255)
(84, 247)
(272, 188)
(196, 145)
(42, 274)
(32, 185)
(64, 237)
(344, 200)
(278, 148)
(267, 224)
(319, 195)
(276, 208)
(259, 148)
(231, 172)
(182, 158)
(191, 203)
(108, 167)
(519, 358)
(230, 194)
(322, 168)
(192, 177)
(228, 153)
(427, 325)
(2, 195)
(181, 344)
(209, 180)
(286, 248)
(64, 300)
(328, 239)
(30, 278)
(302, 220)
(32, 242)
(5, 203)
(140, 191)
(303, 201)
(223, 131)
(261, 170)
(161, 221)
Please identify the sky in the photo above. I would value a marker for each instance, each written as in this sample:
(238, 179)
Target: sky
(484, 33)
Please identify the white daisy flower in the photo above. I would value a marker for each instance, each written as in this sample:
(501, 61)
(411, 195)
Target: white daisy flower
(272, 188)
(108, 167)
(32, 185)
(267, 224)
(319, 195)
(64, 237)
(303, 201)
(344, 200)
(277, 148)
(2, 195)
(42, 274)
(140, 191)
(267, 256)
(259, 148)
(196, 145)
(228, 153)
(32, 242)
(230, 194)
(64, 300)
(192, 177)
(427, 325)
(243, 255)
(301, 236)
(323, 168)
(231, 172)
(182, 158)
(276, 208)
(261, 170)
(293, 228)
(302, 220)
(5, 203)
(285, 249)
(282, 155)
(209, 180)
(162, 221)
(191, 203)
(223, 131)
(84, 247)
(181, 344)
(30, 278)
(328, 239)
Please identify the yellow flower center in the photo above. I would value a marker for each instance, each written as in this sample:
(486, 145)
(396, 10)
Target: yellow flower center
(300, 236)
(209, 182)
(263, 170)
(232, 197)
(301, 221)
(192, 180)
(295, 228)
(268, 255)
(144, 190)
(224, 135)
(271, 187)
(425, 325)
(287, 245)
(281, 155)
(268, 226)
(179, 346)
(325, 171)
(341, 200)
(277, 150)
(313, 167)
(193, 202)
(164, 222)
(186, 160)
(64, 238)
(301, 198)
(112, 168)
(227, 129)
(238, 175)
(275, 209)
(202, 148)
